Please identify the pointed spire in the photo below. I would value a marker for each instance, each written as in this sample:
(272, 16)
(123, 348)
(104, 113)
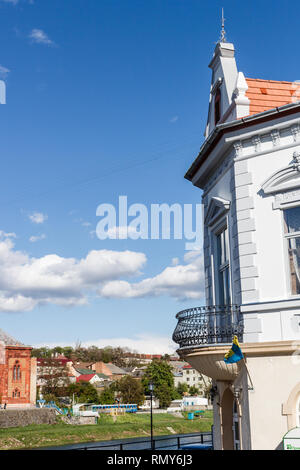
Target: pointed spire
(223, 32)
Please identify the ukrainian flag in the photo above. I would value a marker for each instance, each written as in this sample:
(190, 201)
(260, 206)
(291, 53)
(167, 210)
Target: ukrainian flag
(235, 353)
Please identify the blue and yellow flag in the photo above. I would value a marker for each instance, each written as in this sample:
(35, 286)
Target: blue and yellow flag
(235, 353)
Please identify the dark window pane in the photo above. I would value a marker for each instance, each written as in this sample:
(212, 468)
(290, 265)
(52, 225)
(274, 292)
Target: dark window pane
(292, 220)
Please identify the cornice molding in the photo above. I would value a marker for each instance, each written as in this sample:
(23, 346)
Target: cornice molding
(217, 208)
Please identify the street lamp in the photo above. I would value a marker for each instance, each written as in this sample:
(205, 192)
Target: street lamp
(151, 388)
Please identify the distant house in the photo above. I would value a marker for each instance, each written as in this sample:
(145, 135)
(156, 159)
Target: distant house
(90, 378)
(111, 371)
(191, 377)
(55, 371)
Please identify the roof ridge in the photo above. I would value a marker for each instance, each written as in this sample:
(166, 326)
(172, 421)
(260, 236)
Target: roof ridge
(269, 81)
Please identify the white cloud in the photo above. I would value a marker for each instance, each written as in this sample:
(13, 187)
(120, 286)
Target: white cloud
(39, 36)
(37, 238)
(7, 235)
(185, 281)
(38, 217)
(26, 282)
(142, 343)
(174, 119)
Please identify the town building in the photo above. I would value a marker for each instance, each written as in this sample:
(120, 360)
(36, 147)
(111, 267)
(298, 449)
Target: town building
(54, 373)
(17, 373)
(192, 378)
(111, 371)
(248, 169)
(94, 379)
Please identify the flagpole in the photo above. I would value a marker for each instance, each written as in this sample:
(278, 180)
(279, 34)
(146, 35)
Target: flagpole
(252, 388)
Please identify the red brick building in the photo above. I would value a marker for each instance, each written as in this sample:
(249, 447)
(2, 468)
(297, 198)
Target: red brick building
(17, 373)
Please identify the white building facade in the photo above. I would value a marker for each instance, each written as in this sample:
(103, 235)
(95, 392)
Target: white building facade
(192, 378)
(249, 171)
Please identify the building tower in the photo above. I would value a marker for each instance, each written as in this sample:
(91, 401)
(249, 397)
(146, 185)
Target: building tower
(249, 171)
(17, 373)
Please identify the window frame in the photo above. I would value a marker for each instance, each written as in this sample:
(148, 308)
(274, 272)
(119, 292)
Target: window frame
(217, 105)
(286, 237)
(220, 268)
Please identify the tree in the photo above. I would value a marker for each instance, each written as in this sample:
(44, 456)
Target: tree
(41, 352)
(67, 351)
(84, 392)
(193, 390)
(182, 388)
(107, 396)
(165, 395)
(131, 390)
(160, 373)
(166, 357)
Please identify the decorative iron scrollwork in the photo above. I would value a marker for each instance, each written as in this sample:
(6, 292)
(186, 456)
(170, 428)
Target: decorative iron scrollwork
(208, 325)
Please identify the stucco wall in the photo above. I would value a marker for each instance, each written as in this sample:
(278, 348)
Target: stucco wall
(273, 378)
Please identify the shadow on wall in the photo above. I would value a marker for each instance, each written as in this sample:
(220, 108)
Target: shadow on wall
(280, 446)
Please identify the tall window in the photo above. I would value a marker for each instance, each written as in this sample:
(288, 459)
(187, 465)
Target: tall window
(292, 234)
(217, 106)
(223, 284)
(17, 371)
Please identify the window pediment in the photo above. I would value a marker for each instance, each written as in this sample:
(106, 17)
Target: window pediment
(217, 208)
(285, 179)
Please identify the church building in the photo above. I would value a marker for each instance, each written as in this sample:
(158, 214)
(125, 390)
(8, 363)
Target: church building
(17, 374)
(248, 170)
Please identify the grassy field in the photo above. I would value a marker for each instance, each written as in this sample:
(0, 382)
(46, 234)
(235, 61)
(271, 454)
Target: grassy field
(123, 427)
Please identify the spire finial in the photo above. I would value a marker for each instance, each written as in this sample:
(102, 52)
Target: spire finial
(223, 32)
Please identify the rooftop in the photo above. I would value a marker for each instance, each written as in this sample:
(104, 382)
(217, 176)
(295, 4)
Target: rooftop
(270, 94)
(85, 378)
(9, 340)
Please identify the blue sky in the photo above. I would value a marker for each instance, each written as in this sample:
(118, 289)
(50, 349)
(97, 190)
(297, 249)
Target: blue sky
(109, 98)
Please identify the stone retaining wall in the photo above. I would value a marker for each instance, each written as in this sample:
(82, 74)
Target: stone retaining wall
(18, 418)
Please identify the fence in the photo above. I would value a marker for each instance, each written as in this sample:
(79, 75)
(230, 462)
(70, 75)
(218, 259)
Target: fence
(159, 443)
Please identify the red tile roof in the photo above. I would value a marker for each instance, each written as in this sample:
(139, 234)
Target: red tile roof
(85, 378)
(269, 94)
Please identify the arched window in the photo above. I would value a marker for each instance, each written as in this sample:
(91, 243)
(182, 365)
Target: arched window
(217, 106)
(16, 393)
(17, 371)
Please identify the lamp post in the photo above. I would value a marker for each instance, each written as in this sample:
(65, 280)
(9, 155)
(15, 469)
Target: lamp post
(151, 388)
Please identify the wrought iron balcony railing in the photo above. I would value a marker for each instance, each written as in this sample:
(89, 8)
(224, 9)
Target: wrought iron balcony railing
(208, 325)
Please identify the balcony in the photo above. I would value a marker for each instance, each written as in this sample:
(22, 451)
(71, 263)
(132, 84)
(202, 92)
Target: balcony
(203, 326)
(204, 335)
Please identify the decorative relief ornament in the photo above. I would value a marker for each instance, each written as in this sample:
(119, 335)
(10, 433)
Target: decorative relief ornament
(275, 135)
(296, 160)
(256, 142)
(238, 147)
(295, 132)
